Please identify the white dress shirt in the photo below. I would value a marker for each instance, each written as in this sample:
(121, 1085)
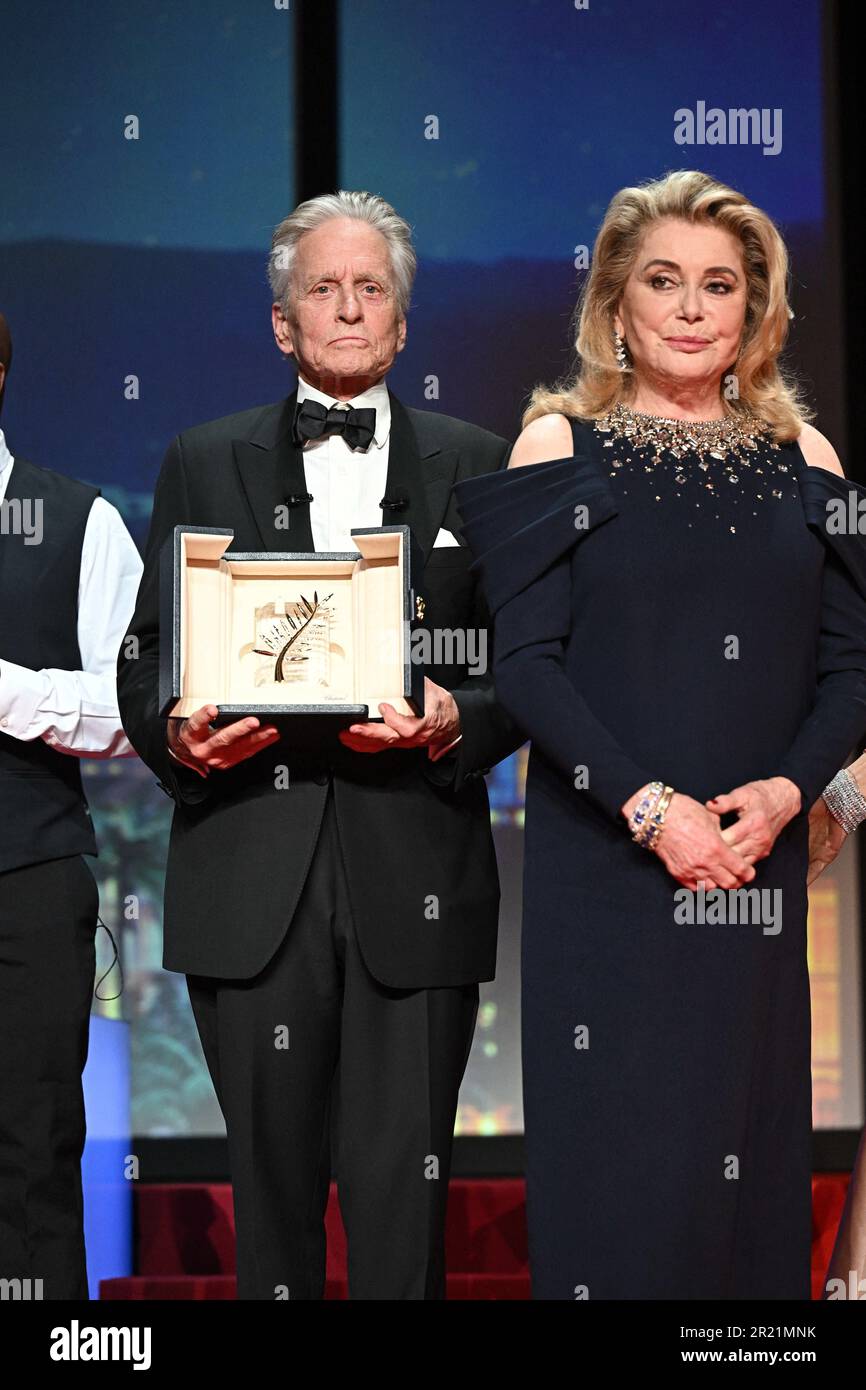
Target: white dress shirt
(347, 485)
(76, 711)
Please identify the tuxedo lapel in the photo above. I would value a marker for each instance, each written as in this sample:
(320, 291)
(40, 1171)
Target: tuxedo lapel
(271, 467)
(420, 472)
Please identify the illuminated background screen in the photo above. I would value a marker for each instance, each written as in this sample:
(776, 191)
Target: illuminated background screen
(500, 131)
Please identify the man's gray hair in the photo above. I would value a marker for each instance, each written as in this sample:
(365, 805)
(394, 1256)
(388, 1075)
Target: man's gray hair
(366, 207)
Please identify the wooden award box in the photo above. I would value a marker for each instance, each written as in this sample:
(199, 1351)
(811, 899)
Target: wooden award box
(289, 636)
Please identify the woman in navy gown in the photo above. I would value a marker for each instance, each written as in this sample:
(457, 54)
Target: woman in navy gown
(680, 628)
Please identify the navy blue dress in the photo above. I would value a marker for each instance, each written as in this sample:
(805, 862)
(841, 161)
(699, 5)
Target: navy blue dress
(697, 622)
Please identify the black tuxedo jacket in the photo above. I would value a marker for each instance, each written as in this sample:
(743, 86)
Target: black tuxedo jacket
(415, 834)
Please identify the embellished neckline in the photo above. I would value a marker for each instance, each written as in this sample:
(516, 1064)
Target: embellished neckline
(669, 419)
(718, 439)
(737, 458)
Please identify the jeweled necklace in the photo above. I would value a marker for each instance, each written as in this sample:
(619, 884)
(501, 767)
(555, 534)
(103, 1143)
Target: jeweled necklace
(718, 439)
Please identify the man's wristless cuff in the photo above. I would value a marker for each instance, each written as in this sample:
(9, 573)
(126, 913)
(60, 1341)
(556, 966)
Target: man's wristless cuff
(845, 801)
(647, 820)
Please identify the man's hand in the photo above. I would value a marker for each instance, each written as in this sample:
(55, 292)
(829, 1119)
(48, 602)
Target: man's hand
(763, 809)
(438, 726)
(691, 847)
(194, 743)
(826, 838)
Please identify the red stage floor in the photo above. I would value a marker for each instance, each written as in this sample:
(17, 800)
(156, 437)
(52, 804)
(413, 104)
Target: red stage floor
(186, 1240)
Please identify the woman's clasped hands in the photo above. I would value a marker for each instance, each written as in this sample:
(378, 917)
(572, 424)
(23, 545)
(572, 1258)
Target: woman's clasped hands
(699, 854)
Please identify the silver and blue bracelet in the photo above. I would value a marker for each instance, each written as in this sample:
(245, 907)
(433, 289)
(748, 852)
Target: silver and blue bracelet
(648, 818)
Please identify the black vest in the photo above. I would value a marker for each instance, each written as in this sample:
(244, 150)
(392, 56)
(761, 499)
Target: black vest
(43, 809)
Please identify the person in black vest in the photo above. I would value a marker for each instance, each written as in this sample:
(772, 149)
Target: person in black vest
(68, 577)
(354, 911)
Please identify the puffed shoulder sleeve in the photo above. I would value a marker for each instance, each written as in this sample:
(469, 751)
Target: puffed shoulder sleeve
(835, 510)
(519, 521)
(521, 525)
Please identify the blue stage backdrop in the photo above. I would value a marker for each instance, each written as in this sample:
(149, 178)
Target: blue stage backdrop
(134, 233)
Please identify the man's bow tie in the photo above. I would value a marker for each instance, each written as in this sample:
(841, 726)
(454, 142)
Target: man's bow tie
(314, 420)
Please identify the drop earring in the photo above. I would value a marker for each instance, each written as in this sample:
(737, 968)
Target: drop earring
(621, 355)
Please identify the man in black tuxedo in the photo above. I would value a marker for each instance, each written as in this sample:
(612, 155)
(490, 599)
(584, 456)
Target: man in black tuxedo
(333, 930)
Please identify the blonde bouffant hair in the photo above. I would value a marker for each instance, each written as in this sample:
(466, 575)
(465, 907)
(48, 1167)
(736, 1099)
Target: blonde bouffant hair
(596, 384)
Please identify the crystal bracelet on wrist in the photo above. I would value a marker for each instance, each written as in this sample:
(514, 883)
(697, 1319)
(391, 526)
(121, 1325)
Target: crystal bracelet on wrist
(647, 819)
(637, 819)
(845, 801)
(656, 819)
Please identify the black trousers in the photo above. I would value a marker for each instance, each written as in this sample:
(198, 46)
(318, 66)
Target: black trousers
(48, 918)
(314, 1037)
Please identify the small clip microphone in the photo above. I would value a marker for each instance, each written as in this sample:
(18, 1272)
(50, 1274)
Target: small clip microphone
(394, 504)
(297, 499)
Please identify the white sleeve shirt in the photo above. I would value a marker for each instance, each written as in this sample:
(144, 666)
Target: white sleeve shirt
(76, 711)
